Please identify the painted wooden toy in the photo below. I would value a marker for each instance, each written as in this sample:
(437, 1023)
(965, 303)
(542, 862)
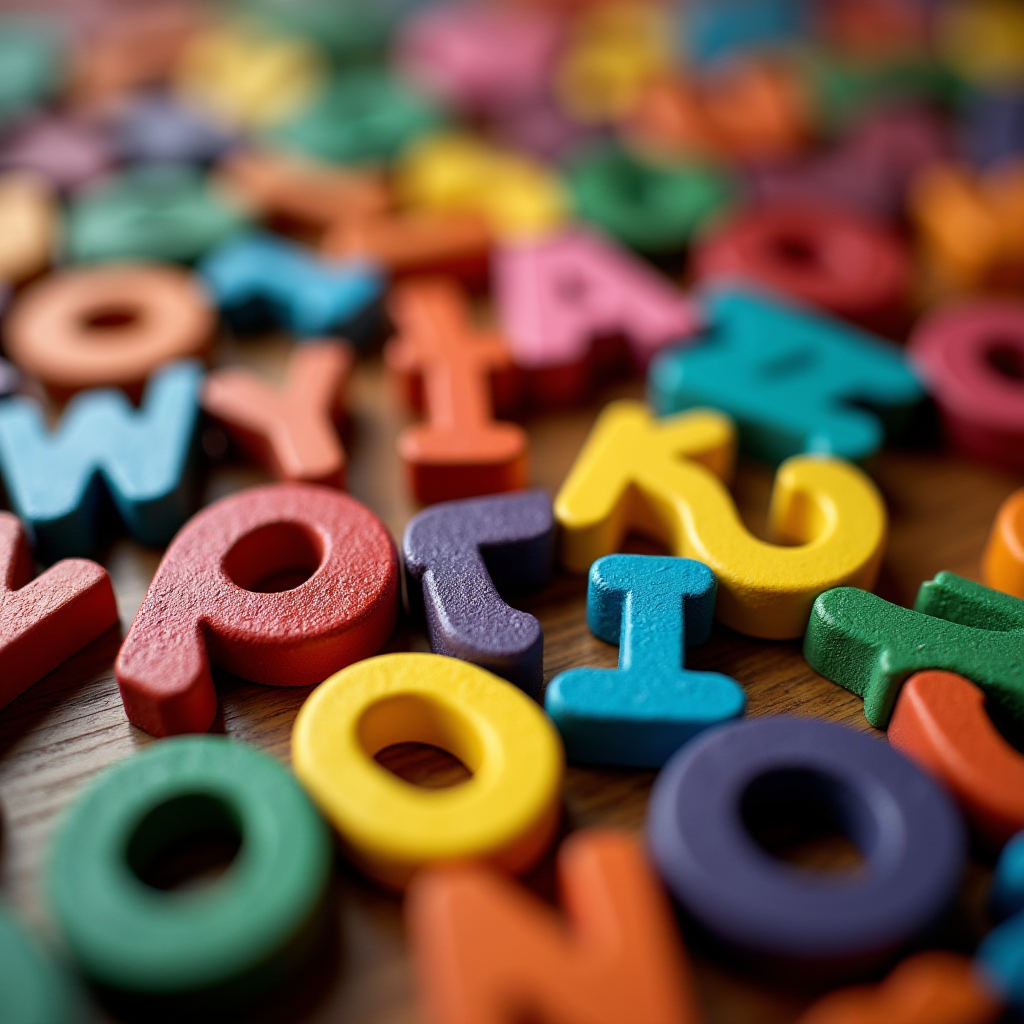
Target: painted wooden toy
(220, 945)
(869, 646)
(108, 326)
(751, 110)
(795, 381)
(34, 989)
(44, 621)
(927, 988)
(665, 479)
(642, 712)
(30, 65)
(905, 827)
(362, 117)
(558, 295)
(461, 450)
(65, 152)
(154, 129)
(715, 31)
(142, 458)
(479, 61)
(286, 190)
(1003, 561)
(971, 225)
(484, 947)
(971, 355)
(828, 259)
(940, 723)
(508, 812)
(456, 172)
(247, 77)
(646, 206)
(28, 227)
(983, 41)
(151, 213)
(453, 244)
(612, 52)
(1001, 954)
(292, 431)
(280, 584)
(460, 557)
(260, 281)
(994, 125)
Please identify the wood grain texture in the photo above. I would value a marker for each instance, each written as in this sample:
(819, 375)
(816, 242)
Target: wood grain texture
(57, 736)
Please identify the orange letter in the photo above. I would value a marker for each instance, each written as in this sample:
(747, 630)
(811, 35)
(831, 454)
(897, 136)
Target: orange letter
(940, 723)
(486, 952)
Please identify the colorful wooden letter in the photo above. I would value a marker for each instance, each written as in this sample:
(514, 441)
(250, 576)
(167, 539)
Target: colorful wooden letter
(461, 450)
(459, 557)
(108, 326)
(556, 296)
(280, 585)
(1001, 954)
(664, 478)
(292, 432)
(34, 989)
(646, 709)
(907, 830)
(487, 951)
(259, 281)
(869, 646)
(961, 351)
(928, 988)
(789, 377)
(1003, 562)
(29, 219)
(831, 260)
(940, 723)
(236, 936)
(507, 813)
(45, 621)
(141, 457)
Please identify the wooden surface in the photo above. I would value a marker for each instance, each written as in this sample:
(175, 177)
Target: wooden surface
(57, 736)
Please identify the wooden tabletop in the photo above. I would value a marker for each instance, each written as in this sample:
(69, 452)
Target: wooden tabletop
(57, 736)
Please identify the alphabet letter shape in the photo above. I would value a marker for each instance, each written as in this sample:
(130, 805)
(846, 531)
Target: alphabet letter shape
(929, 988)
(259, 281)
(43, 622)
(1003, 564)
(1001, 954)
(485, 949)
(662, 478)
(556, 296)
(291, 431)
(958, 350)
(55, 481)
(940, 722)
(646, 709)
(459, 557)
(281, 585)
(869, 646)
(461, 451)
(789, 377)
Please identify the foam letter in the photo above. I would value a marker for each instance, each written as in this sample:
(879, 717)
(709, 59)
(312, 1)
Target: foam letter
(141, 456)
(45, 621)
(789, 377)
(281, 585)
(869, 646)
(459, 556)
(291, 431)
(557, 295)
(487, 952)
(461, 451)
(643, 711)
(634, 473)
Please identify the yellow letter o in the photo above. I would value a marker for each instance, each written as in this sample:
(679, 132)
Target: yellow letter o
(507, 813)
